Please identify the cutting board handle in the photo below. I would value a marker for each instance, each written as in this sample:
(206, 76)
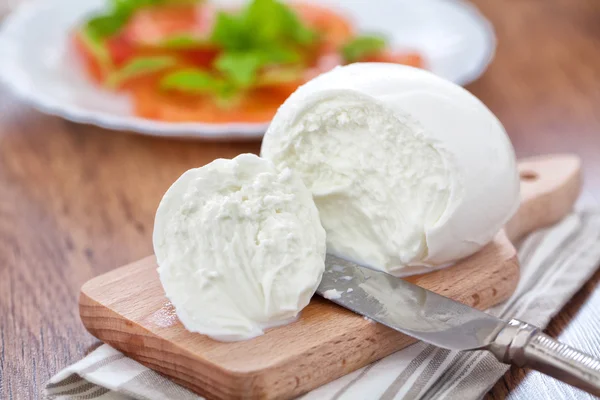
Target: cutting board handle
(550, 186)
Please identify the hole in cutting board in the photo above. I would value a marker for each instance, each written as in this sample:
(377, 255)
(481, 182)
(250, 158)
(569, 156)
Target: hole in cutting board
(528, 175)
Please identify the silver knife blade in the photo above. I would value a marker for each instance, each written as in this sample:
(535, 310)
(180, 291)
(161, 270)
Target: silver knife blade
(406, 307)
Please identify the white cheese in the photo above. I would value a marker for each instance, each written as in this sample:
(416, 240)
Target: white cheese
(409, 172)
(240, 247)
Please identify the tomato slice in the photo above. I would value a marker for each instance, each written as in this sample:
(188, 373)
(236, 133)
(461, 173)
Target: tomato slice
(258, 105)
(325, 62)
(152, 25)
(413, 59)
(335, 28)
(202, 58)
(148, 29)
(90, 61)
(120, 50)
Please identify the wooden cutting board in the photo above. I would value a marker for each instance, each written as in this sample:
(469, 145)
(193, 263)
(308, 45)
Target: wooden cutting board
(127, 309)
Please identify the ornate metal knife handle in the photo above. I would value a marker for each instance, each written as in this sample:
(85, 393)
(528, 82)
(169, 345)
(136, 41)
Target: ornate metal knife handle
(525, 345)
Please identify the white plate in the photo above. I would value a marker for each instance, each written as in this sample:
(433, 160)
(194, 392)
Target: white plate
(37, 62)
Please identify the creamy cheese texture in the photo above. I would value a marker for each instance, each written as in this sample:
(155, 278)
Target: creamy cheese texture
(239, 246)
(409, 172)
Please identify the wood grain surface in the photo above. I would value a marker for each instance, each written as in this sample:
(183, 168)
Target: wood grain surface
(76, 201)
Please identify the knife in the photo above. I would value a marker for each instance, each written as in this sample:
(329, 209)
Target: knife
(446, 323)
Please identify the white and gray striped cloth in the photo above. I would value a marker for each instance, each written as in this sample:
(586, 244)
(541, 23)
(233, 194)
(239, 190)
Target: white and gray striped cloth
(555, 263)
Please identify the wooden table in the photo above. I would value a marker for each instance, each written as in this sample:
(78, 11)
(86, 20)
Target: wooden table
(77, 201)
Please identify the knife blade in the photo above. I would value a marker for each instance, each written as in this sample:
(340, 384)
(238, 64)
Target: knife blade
(446, 323)
(406, 307)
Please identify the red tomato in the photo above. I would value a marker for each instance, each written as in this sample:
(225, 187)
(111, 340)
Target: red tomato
(120, 49)
(412, 59)
(150, 26)
(90, 63)
(154, 24)
(325, 62)
(258, 105)
(199, 57)
(336, 29)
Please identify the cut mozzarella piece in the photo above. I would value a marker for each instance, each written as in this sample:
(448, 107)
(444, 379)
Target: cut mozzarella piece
(409, 172)
(240, 247)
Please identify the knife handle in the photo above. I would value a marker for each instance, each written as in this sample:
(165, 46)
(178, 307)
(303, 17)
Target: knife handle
(526, 346)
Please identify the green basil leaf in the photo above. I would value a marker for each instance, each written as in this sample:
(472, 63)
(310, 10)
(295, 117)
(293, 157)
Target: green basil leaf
(272, 21)
(194, 81)
(104, 26)
(263, 23)
(262, 18)
(363, 46)
(139, 67)
(239, 68)
(279, 54)
(97, 48)
(182, 42)
(297, 31)
(112, 21)
(230, 32)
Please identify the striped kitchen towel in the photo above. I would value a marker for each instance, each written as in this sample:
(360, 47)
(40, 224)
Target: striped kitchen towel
(555, 263)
